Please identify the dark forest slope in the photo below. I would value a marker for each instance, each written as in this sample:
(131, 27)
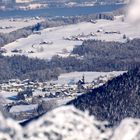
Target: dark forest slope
(117, 99)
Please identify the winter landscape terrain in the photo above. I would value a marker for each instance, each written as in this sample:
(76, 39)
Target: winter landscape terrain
(73, 76)
(61, 40)
(9, 25)
(68, 123)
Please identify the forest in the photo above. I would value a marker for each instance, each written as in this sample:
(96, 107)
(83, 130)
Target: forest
(117, 99)
(22, 67)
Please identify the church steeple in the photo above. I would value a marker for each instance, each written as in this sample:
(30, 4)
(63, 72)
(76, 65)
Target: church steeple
(83, 79)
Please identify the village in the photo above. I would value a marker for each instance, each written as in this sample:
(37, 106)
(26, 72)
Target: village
(26, 99)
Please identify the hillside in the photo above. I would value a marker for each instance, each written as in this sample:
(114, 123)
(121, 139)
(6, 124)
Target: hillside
(94, 55)
(61, 40)
(22, 67)
(114, 101)
(68, 123)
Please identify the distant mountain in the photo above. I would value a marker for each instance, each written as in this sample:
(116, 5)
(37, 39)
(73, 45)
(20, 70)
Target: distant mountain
(114, 101)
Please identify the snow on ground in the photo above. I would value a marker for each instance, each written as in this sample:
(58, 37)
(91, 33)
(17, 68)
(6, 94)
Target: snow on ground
(63, 79)
(89, 76)
(6, 95)
(68, 123)
(31, 43)
(23, 108)
(51, 41)
(56, 102)
(9, 25)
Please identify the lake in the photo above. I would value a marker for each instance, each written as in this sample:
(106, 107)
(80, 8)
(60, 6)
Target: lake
(52, 12)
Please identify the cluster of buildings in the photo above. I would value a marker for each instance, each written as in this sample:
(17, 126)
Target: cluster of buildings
(26, 90)
(26, 98)
(53, 88)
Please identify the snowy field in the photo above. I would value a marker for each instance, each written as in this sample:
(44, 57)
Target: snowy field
(23, 108)
(9, 25)
(61, 40)
(89, 76)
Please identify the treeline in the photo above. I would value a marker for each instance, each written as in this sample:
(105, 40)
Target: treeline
(115, 100)
(6, 38)
(94, 55)
(22, 67)
(82, 18)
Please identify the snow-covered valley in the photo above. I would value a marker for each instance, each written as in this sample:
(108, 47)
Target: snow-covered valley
(70, 78)
(9, 92)
(61, 40)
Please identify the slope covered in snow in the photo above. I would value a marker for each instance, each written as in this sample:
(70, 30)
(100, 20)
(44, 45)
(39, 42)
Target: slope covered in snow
(89, 76)
(61, 40)
(9, 129)
(68, 123)
(9, 25)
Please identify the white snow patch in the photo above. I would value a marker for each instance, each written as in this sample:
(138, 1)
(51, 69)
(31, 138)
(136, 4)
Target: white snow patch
(7, 94)
(89, 76)
(55, 42)
(23, 108)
